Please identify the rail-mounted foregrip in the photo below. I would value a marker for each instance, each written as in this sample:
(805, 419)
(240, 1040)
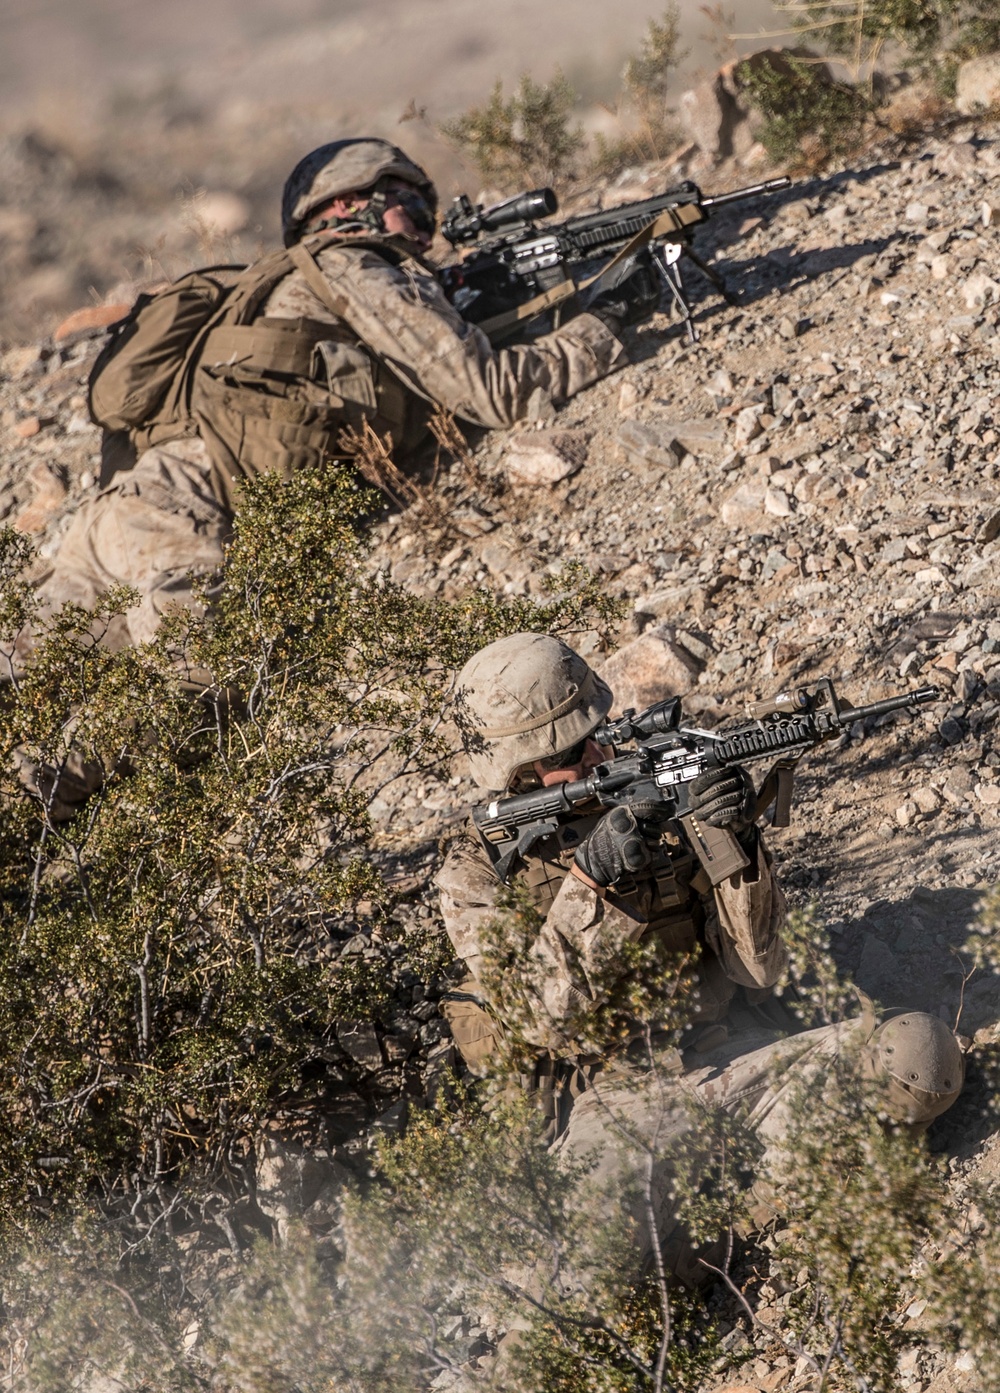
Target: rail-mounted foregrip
(666, 760)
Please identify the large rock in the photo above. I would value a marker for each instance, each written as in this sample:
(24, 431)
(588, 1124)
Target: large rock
(545, 457)
(978, 85)
(649, 669)
(717, 115)
(663, 443)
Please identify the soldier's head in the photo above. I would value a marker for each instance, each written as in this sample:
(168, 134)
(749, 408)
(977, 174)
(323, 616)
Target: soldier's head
(526, 706)
(362, 184)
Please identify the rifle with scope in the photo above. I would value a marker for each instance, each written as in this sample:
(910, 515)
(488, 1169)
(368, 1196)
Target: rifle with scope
(668, 757)
(515, 270)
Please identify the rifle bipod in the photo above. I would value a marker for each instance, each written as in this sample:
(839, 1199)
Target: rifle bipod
(668, 262)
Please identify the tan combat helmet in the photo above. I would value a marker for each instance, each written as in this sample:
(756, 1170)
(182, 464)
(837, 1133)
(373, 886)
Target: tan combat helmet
(921, 1065)
(522, 698)
(342, 167)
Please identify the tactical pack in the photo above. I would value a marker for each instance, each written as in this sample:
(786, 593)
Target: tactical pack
(195, 359)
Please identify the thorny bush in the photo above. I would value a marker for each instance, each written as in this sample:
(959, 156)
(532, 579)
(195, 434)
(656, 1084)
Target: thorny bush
(169, 964)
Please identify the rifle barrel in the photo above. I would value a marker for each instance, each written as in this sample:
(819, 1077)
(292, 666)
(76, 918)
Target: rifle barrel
(735, 195)
(902, 702)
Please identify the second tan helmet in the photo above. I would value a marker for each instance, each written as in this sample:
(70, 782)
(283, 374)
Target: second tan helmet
(522, 698)
(342, 167)
(920, 1064)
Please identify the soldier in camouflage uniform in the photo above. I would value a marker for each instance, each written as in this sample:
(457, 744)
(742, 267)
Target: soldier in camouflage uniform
(354, 328)
(358, 328)
(527, 707)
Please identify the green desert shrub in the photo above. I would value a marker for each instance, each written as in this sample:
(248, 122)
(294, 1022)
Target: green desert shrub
(526, 138)
(649, 129)
(807, 117)
(169, 966)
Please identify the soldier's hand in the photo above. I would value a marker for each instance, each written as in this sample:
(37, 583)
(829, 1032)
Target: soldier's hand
(631, 295)
(725, 798)
(616, 847)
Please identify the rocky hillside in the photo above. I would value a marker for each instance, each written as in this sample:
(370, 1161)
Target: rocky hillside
(809, 490)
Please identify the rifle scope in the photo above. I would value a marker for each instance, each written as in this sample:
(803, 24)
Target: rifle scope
(465, 220)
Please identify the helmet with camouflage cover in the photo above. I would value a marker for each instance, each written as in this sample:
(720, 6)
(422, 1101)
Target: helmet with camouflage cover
(522, 698)
(343, 167)
(920, 1064)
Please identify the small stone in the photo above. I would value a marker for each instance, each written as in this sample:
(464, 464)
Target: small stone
(980, 290)
(916, 212)
(990, 214)
(977, 84)
(777, 503)
(941, 267)
(627, 397)
(28, 427)
(744, 506)
(748, 426)
(988, 794)
(359, 1040)
(926, 799)
(906, 813)
(956, 159)
(990, 529)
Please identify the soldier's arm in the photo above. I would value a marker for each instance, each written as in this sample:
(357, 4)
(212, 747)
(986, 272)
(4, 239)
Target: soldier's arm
(556, 988)
(744, 919)
(404, 316)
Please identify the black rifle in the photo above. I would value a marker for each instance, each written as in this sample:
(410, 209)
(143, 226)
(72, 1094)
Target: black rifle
(668, 757)
(524, 270)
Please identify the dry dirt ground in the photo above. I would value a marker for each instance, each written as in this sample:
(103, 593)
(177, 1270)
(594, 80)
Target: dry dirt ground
(811, 489)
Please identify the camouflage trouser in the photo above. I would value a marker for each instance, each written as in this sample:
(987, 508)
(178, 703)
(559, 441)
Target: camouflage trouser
(755, 1075)
(158, 527)
(153, 528)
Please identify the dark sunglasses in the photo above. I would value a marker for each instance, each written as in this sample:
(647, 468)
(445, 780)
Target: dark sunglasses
(566, 759)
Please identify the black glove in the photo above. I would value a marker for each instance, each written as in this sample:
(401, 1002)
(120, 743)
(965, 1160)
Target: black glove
(616, 847)
(632, 295)
(726, 798)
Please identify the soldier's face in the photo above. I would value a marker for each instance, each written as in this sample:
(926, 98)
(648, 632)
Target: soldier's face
(592, 755)
(403, 204)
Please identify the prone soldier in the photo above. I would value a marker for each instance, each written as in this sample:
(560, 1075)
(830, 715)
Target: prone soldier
(528, 706)
(349, 325)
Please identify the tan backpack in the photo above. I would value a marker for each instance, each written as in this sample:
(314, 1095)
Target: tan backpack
(194, 359)
(137, 383)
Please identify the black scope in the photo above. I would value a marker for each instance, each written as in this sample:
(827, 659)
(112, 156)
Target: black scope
(465, 220)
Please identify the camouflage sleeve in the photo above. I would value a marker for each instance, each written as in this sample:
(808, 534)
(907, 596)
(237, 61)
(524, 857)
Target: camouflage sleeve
(745, 916)
(405, 318)
(557, 979)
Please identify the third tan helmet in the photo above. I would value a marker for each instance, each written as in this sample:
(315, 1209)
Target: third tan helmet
(342, 167)
(522, 698)
(919, 1061)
